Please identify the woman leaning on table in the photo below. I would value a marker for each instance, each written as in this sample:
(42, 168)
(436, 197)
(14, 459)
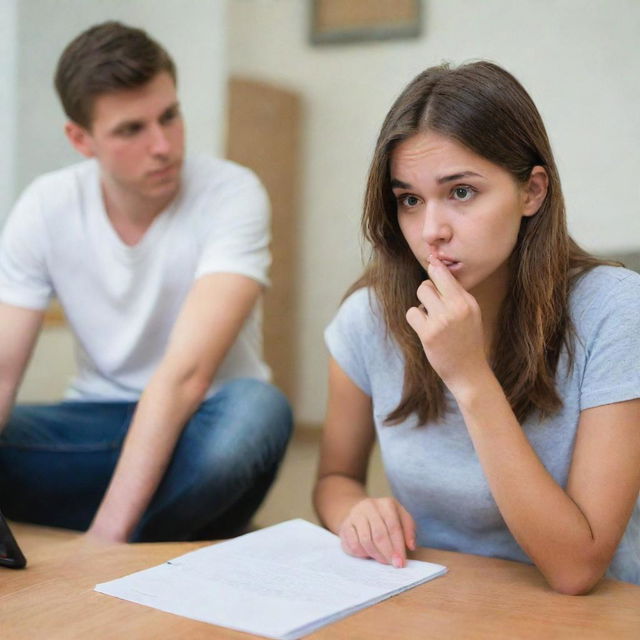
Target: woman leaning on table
(496, 361)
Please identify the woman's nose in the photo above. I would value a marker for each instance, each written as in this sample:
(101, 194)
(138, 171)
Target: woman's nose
(435, 226)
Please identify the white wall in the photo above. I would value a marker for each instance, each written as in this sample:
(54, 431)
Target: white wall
(193, 33)
(580, 60)
(8, 49)
(51, 368)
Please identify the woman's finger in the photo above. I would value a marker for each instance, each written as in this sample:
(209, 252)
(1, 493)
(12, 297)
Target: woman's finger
(350, 542)
(366, 537)
(417, 320)
(391, 512)
(380, 529)
(442, 278)
(430, 298)
(381, 525)
(408, 527)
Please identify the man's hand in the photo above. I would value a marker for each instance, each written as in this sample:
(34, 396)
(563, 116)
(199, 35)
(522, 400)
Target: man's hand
(98, 534)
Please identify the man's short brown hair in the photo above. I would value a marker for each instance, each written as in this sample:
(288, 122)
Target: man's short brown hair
(106, 57)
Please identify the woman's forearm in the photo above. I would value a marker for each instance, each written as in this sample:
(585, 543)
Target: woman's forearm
(334, 496)
(543, 518)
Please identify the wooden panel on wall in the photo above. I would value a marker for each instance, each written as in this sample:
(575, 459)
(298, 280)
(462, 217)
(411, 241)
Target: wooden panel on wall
(264, 134)
(54, 315)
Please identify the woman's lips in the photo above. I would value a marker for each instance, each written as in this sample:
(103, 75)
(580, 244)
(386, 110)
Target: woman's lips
(452, 265)
(447, 261)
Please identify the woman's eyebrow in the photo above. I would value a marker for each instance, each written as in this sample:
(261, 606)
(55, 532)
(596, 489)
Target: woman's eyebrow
(398, 184)
(457, 176)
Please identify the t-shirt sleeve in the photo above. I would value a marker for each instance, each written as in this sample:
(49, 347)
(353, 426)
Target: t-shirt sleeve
(612, 365)
(347, 336)
(24, 277)
(238, 241)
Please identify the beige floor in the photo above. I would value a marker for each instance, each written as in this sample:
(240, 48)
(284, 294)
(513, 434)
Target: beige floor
(290, 496)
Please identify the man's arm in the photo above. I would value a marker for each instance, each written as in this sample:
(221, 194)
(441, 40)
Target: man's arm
(19, 329)
(209, 322)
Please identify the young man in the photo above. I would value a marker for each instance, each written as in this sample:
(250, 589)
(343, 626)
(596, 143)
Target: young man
(170, 429)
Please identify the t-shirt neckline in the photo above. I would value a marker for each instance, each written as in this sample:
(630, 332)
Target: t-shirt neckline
(151, 235)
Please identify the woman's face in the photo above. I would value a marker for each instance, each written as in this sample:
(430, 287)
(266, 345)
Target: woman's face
(461, 207)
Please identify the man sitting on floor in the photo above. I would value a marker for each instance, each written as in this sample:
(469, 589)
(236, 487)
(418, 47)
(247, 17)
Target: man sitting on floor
(170, 430)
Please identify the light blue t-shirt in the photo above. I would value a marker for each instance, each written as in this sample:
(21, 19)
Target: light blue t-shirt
(433, 469)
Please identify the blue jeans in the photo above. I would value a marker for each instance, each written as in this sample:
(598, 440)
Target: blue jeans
(56, 462)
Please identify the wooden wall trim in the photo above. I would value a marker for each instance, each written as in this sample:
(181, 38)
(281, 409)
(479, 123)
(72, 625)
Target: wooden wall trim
(54, 315)
(264, 134)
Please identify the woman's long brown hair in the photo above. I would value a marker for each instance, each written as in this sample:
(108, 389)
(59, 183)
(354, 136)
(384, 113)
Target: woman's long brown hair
(483, 107)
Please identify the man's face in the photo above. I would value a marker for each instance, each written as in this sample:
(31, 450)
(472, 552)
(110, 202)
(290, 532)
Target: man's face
(137, 136)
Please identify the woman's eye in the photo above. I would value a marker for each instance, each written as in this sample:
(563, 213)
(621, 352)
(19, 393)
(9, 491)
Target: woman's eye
(462, 194)
(409, 201)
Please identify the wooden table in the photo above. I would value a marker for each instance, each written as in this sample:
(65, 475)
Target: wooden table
(479, 598)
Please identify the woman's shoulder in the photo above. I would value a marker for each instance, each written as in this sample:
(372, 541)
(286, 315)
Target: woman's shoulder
(356, 337)
(605, 313)
(605, 289)
(362, 300)
(359, 312)
(605, 280)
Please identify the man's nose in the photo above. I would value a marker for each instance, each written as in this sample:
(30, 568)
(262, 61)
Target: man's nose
(160, 144)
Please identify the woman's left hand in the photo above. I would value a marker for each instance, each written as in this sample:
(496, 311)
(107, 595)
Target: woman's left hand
(449, 325)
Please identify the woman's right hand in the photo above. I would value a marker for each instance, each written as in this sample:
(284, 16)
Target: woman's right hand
(379, 528)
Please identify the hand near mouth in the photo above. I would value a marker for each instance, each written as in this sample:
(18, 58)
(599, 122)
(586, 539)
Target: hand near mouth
(449, 325)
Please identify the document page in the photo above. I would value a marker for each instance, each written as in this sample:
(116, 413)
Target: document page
(280, 582)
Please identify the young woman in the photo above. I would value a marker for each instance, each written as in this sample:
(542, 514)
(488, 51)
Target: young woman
(497, 363)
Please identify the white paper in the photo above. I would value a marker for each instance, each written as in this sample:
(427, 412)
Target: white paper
(281, 582)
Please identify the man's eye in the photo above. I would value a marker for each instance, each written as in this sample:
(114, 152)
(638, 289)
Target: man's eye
(169, 116)
(129, 130)
(462, 194)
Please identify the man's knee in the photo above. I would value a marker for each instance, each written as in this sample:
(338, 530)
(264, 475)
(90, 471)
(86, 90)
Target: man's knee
(260, 405)
(242, 430)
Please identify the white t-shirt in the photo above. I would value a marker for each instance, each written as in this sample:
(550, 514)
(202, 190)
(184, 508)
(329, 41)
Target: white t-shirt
(122, 301)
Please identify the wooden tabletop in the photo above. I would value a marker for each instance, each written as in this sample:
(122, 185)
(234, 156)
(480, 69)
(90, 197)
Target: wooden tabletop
(478, 598)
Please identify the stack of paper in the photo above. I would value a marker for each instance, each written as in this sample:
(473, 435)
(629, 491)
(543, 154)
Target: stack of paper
(281, 582)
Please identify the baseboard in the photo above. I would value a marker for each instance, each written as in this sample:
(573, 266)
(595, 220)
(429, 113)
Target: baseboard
(308, 431)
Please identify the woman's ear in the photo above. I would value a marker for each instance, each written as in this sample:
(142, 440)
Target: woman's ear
(535, 191)
(79, 138)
